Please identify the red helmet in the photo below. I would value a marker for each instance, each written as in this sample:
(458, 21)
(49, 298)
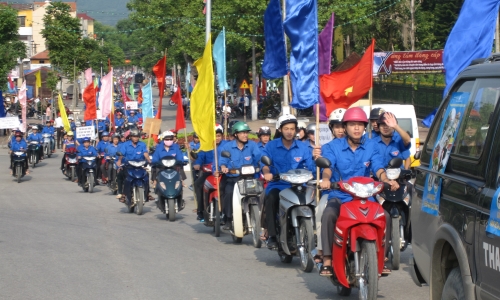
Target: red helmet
(355, 114)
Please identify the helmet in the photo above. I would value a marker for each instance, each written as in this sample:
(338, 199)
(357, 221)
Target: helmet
(218, 128)
(240, 127)
(195, 135)
(301, 125)
(231, 124)
(381, 119)
(311, 129)
(355, 114)
(116, 135)
(19, 134)
(132, 111)
(70, 133)
(167, 134)
(336, 116)
(286, 119)
(34, 128)
(105, 133)
(264, 130)
(70, 118)
(134, 132)
(376, 112)
(86, 139)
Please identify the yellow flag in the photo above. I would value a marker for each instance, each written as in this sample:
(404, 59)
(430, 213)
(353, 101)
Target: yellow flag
(64, 117)
(38, 76)
(202, 100)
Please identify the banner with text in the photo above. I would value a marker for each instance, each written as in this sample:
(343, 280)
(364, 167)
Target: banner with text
(404, 62)
(9, 123)
(85, 131)
(131, 105)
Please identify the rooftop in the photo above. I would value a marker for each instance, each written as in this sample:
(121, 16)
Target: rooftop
(41, 55)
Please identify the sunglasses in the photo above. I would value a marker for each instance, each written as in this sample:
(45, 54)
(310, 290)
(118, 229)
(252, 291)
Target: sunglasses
(168, 139)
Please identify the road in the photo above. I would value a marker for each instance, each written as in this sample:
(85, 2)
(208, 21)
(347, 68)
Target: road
(57, 242)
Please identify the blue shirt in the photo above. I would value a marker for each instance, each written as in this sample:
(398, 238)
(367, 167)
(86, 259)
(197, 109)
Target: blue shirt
(82, 151)
(48, 129)
(89, 123)
(249, 155)
(346, 163)
(207, 157)
(131, 152)
(101, 146)
(133, 119)
(35, 137)
(161, 152)
(19, 146)
(299, 156)
(101, 126)
(69, 144)
(73, 126)
(119, 122)
(261, 146)
(194, 146)
(395, 148)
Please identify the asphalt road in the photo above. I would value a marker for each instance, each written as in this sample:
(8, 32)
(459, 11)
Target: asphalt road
(57, 242)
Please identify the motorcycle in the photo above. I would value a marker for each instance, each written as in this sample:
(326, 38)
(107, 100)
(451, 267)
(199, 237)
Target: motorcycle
(359, 237)
(398, 205)
(246, 204)
(33, 153)
(89, 172)
(169, 187)
(47, 147)
(112, 175)
(70, 163)
(18, 168)
(136, 181)
(211, 201)
(294, 224)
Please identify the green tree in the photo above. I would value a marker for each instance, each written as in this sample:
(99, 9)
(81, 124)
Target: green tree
(11, 48)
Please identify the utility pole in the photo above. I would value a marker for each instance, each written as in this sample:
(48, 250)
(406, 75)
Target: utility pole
(412, 29)
(497, 36)
(254, 83)
(285, 109)
(75, 93)
(208, 17)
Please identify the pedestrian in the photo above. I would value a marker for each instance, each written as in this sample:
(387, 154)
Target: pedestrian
(48, 112)
(59, 126)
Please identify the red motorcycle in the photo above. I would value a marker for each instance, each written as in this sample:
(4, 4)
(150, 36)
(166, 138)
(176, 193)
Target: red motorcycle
(70, 163)
(358, 248)
(211, 213)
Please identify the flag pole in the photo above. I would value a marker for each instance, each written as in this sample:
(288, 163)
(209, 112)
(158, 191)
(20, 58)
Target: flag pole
(225, 118)
(370, 99)
(316, 133)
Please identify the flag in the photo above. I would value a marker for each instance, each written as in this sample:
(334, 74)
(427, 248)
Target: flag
(139, 97)
(124, 94)
(38, 77)
(131, 91)
(341, 89)
(476, 22)
(2, 108)
(106, 94)
(64, 116)
(22, 101)
(179, 118)
(219, 53)
(325, 60)
(147, 103)
(202, 100)
(301, 27)
(90, 105)
(160, 70)
(88, 75)
(11, 83)
(275, 60)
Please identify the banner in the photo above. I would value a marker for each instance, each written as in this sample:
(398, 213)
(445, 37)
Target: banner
(442, 148)
(22, 101)
(9, 123)
(325, 134)
(131, 105)
(493, 226)
(85, 131)
(427, 61)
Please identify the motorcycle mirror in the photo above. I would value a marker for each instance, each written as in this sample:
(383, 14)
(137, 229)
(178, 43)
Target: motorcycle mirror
(417, 155)
(266, 160)
(323, 162)
(226, 154)
(119, 153)
(194, 155)
(395, 163)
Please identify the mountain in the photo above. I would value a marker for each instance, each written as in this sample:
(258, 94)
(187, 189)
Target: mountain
(108, 12)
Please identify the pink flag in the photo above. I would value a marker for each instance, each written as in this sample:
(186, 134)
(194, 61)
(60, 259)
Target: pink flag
(88, 76)
(22, 101)
(106, 94)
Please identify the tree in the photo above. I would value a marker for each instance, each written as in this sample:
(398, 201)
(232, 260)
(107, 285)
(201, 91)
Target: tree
(11, 48)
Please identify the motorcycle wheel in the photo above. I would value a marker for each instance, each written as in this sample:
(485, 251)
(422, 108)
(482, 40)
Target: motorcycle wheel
(368, 282)
(171, 103)
(139, 205)
(171, 210)
(236, 240)
(395, 244)
(217, 218)
(19, 173)
(307, 239)
(90, 181)
(73, 174)
(46, 150)
(286, 259)
(255, 220)
(343, 291)
(33, 161)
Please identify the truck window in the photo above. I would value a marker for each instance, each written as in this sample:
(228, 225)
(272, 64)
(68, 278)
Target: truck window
(405, 124)
(475, 126)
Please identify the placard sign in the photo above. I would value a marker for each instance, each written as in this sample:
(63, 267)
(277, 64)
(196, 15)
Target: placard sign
(427, 61)
(9, 123)
(325, 135)
(131, 105)
(85, 131)
(152, 126)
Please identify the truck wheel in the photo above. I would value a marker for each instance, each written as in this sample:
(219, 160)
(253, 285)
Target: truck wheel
(453, 287)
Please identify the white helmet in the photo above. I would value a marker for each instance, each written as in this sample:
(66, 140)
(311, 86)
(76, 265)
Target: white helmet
(219, 128)
(167, 133)
(336, 116)
(301, 125)
(286, 119)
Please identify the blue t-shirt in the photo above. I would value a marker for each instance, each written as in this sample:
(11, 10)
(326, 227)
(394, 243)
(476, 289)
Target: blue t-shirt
(395, 148)
(35, 137)
(101, 146)
(161, 152)
(119, 122)
(82, 152)
(19, 146)
(207, 157)
(194, 146)
(48, 129)
(133, 119)
(133, 152)
(249, 155)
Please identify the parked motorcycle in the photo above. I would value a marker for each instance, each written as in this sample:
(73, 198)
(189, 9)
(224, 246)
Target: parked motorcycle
(211, 201)
(359, 237)
(33, 153)
(136, 180)
(47, 149)
(18, 168)
(246, 204)
(70, 163)
(169, 187)
(294, 225)
(89, 172)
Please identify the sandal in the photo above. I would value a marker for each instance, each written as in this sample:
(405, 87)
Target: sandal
(386, 259)
(326, 271)
(318, 259)
(263, 235)
(386, 271)
(122, 199)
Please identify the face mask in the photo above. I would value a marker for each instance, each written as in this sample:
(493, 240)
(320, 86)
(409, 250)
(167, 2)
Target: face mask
(168, 143)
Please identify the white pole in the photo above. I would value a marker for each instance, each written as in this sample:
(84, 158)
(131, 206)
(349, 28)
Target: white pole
(285, 108)
(255, 84)
(208, 17)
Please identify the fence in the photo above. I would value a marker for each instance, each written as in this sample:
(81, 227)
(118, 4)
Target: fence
(424, 98)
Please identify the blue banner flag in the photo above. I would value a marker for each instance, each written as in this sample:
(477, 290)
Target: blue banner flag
(471, 37)
(301, 27)
(2, 108)
(219, 55)
(147, 102)
(275, 62)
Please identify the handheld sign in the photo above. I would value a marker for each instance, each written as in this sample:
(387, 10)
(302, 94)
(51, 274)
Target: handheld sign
(325, 135)
(151, 126)
(85, 131)
(131, 105)
(9, 123)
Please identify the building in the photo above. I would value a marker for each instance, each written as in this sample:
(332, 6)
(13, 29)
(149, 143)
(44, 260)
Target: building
(41, 59)
(86, 25)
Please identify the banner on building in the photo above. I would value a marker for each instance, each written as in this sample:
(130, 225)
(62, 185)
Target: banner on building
(404, 62)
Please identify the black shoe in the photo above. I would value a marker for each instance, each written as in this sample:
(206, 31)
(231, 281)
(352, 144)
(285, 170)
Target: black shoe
(199, 217)
(272, 243)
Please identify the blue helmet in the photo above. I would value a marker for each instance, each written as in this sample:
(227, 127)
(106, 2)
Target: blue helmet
(105, 133)
(86, 139)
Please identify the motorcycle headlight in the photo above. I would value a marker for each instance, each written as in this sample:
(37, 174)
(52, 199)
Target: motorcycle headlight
(297, 176)
(163, 186)
(177, 184)
(362, 190)
(245, 170)
(393, 174)
(137, 163)
(168, 162)
(18, 153)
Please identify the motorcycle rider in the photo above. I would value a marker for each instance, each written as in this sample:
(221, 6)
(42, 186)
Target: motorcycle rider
(68, 143)
(101, 151)
(49, 129)
(310, 137)
(350, 156)
(243, 152)
(169, 148)
(132, 150)
(264, 135)
(335, 123)
(374, 114)
(286, 153)
(85, 150)
(110, 151)
(36, 137)
(18, 145)
(119, 121)
(132, 118)
(301, 131)
(72, 123)
(389, 145)
(205, 158)
(194, 145)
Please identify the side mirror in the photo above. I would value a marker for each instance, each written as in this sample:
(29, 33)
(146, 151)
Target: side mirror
(194, 155)
(395, 163)
(266, 160)
(323, 162)
(417, 155)
(226, 154)
(119, 153)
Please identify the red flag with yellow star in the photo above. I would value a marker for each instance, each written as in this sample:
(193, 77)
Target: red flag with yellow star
(341, 89)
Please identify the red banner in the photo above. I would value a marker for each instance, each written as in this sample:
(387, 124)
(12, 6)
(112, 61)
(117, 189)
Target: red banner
(404, 62)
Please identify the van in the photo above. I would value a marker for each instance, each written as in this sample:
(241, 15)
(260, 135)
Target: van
(407, 120)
